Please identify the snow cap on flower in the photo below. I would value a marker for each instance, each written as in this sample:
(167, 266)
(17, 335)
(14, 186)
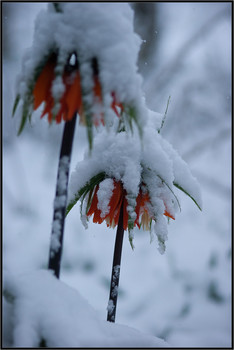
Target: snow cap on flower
(87, 65)
(143, 179)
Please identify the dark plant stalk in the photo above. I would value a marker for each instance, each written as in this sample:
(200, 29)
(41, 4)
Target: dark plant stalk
(112, 304)
(60, 202)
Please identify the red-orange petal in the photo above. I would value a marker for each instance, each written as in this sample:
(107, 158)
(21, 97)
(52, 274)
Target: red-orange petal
(73, 97)
(94, 209)
(97, 89)
(97, 216)
(48, 107)
(115, 103)
(166, 213)
(115, 203)
(43, 84)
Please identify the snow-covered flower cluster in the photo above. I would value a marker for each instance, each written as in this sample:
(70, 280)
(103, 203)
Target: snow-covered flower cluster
(88, 66)
(139, 174)
(83, 60)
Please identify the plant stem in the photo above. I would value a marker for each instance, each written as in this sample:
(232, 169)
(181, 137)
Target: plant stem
(112, 304)
(60, 202)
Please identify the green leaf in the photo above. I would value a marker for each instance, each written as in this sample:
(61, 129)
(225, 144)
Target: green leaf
(89, 186)
(28, 99)
(165, 115)
(132, 116)
(130, 237)
(189, 195)
(89, 127)
(170, 190)
(17, 99)
(25, 115)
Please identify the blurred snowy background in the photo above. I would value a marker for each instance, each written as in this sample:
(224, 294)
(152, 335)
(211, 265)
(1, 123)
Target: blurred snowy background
(183, 296)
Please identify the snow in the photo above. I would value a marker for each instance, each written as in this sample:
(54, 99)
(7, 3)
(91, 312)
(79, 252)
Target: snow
(104, 194)
(42, 308)
(182, 174)
(117, 154)
(58, 88)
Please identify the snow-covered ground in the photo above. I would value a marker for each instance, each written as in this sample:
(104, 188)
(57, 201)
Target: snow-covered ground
(183, 296)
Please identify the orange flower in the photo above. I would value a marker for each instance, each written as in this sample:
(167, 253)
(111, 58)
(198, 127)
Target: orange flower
(71, 100)
(143, 216)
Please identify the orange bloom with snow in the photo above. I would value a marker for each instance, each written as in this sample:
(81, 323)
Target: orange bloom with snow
(118, 198)
(71, 100)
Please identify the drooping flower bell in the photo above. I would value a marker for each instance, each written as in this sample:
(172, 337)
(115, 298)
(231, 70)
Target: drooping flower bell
(62, 96)
(71, 99)
(102, 198)
(143, 211)
(121, 173)
(76, 69)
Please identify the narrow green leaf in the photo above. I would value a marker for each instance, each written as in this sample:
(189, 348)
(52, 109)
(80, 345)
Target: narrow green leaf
(89, 186)
(90, 199)
(165, 115)
(89, 132)
(71, 204)
(130, 237)
(25, 116)
(17, 99)
(132, 116)
(189, 195)
(170, 190)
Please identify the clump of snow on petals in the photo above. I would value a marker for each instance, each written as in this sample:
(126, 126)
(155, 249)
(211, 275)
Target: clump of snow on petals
(104, 194)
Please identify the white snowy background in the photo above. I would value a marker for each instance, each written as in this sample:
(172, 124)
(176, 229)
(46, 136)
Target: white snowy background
(183, 296)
